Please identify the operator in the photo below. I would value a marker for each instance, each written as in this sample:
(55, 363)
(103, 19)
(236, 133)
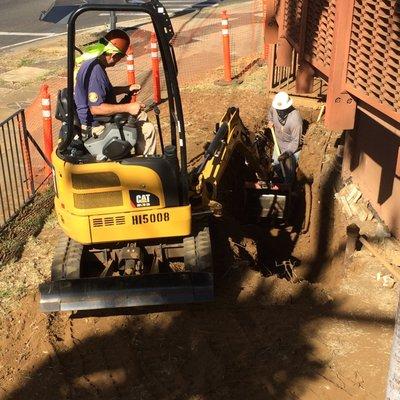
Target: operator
(288, 126)
(95, 96)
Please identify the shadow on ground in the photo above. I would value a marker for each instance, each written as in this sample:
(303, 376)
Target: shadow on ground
(255, 347)
(253, 342)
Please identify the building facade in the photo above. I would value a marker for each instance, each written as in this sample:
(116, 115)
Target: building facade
(353, 45)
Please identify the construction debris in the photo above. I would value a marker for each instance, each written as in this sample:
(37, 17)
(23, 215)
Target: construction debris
(352, 203)
(388, 281)
(395, 271)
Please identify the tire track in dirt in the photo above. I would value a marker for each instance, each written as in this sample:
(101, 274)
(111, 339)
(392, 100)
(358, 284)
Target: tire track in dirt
(84, 371)
(119, 361)
(239, 344)
(76, 365)
(219, 352)
(149, 360)
(106, 363)
(110, 374)
(56, 336)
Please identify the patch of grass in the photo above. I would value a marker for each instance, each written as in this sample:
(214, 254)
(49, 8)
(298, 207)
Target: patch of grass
(12, 292)
(254, 80)
(28, 223)
(18, 278)
(41, 78)
(4, 293)
(51, 221)
(25, 62)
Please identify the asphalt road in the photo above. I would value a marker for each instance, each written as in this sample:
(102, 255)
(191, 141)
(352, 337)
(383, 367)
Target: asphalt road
(19, 19)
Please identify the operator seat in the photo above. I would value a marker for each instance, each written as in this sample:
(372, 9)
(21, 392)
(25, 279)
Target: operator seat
(62, 113)
(114, 143)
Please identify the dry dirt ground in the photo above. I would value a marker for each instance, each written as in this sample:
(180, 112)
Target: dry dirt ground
(321, 332)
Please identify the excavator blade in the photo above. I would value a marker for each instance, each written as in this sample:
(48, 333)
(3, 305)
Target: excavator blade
(117, 292)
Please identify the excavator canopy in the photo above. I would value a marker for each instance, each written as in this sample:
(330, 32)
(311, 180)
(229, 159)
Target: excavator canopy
(60, 11)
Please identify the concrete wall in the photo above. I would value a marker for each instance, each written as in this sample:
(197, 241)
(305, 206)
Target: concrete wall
(372, 159)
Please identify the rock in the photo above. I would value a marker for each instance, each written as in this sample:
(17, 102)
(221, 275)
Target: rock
(382, 231)
(388, 281)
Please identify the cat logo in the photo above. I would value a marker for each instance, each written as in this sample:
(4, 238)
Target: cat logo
(142, 200)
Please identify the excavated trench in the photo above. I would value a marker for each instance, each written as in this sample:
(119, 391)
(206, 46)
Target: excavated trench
(280, 326)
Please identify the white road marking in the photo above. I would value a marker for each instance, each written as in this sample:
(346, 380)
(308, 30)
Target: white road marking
(203, 5)
(24, 34)
(49, 35)
(41, 36)
(32, 40)
(122, 14)
(179, 9)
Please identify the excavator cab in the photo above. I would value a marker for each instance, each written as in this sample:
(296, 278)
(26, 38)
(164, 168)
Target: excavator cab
(116, 141)
(130, 235)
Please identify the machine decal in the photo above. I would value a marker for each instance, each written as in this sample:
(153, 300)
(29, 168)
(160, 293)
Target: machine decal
(140, 198)
(150, 218)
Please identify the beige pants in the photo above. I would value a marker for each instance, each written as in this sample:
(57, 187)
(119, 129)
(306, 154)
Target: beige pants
(146, 139)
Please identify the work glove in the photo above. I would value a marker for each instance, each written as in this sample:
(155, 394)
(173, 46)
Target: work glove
(135, 88)
(285, 155)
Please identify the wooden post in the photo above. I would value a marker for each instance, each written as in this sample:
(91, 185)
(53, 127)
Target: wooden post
(353, 233)
(340, 106)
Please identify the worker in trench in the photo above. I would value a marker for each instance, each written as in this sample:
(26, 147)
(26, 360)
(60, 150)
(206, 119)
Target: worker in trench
(95, 96)
(288, 127)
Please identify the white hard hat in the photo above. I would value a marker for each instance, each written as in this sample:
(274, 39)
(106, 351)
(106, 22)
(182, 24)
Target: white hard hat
(282, 101)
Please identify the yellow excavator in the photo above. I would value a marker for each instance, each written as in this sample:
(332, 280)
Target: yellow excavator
(137, 227)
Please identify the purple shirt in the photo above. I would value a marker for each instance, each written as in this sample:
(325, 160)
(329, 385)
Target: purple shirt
(92, 88)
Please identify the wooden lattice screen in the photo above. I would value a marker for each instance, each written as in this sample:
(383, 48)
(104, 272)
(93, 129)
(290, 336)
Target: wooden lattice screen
(373, 67)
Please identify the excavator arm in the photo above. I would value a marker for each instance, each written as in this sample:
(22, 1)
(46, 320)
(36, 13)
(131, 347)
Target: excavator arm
(230, 137)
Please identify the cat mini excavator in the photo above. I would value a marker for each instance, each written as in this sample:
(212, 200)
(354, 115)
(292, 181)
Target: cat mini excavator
(136, 228)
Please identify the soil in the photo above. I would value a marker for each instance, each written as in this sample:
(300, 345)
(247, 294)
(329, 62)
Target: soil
(320, 328)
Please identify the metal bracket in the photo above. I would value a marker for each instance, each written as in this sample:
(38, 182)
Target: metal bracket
(340, 112)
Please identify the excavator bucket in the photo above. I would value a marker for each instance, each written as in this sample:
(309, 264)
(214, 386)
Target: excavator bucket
(119, 292)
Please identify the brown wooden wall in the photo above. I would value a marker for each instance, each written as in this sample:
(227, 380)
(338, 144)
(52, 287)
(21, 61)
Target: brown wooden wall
(372, 160)
(352, 44)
